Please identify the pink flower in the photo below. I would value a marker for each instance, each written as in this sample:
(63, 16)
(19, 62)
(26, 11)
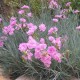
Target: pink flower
(76, 11)
(28, 56)
(42, 27)
(22, 47)
(52, 30)
(22, 20)
(18, 26)
(32, 29)
(37, 54)
(51, 50)
(11, 30)
(57, 42)
(46, 59)
(12, 18)
(24, 25)
(78, 27)
(25, 7)
(21, 12)
(5, 30)
(8, 30)
(21, 25)
(54, 54)
(55, 20)
(53, 4)
(64, 16)
(42, 40)
(1, 43)
(55, 29)
(58, 16)
(51, 38)
(30, 25)
(57, 57)
(0, 20)
(40, 47)
(30, 32)
(13, 23)
(32, 43)
(63, 11)
(42, 54)
(68, 4)
(29, 14)
(3, 38)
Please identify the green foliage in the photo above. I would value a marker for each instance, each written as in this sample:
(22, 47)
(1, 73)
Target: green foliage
(69, 67)
(75, 3)
(15, 3)
(10, 57)
(12, 3)
(35, 6)
(11, 61)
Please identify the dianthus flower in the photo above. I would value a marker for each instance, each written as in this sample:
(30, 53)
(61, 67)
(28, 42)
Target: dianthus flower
(3, 38)
(21, 12)
(30, 32)
(30, 25)
(68, 4)
(78, 27)
(42, 40)
(38, 50)
(32, 43)
(22, 20)
(52, 30)
(0, 20)
(23, 47)
(25, 7)
(42, 27)
(12, 18)
(55, 20)
(32, 28)
(53, 4)
(29, 14)
(1, 43)
(51, 38)
(27, 56)
(46, 59)
(54, 53)
(57, 57)
(42, 55)
(58, 16)
(57, 42)
(76, 11)
(8, 30)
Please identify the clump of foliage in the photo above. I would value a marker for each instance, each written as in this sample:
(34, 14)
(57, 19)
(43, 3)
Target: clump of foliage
(36, 6)
(43, 47)
(74, 3)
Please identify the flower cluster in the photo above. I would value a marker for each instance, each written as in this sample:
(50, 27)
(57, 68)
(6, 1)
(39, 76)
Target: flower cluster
(36, 46)
(39, 49)
(24, 10)
(44, 49)
(11, 27)
(53, 4)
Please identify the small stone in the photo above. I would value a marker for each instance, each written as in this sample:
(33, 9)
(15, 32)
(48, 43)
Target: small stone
(23, 77)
